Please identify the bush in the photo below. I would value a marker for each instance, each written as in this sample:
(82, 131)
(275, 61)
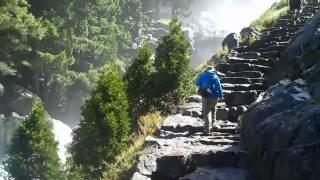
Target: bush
(138, 77)
(33, 152)
(105, 128)
(173, 79)
(271, 15)
(149, 123)
(222, 55)
(124, 165)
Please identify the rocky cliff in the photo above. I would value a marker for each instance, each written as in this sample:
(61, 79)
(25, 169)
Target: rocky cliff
(268, 126)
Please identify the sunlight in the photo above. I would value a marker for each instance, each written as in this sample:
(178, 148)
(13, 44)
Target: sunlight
(233, 15)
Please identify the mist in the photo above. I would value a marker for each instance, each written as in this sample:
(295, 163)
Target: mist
(214, 19)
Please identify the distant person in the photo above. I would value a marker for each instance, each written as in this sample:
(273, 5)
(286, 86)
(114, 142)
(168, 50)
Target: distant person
(209, 87)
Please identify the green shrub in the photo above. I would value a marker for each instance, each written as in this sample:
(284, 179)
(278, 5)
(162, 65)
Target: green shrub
(271, 15)
(105, 128)
(33, 152)
(138, 77)
(173, 79)
(221, 55)
(149, 123)
(124, 165)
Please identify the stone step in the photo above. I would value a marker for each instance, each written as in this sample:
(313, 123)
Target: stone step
(248, 74)
(282, 23)
(271, 54)
(248, 55)
(242, 80)
(178, 165)
(266, 39)
(222, 173)
(279, 33)
(273, 30)
(239, 67)
(244, 87)
(237, 98)
(241, 49)
(212, 140)
(231, 114)
(259, 61)
(179, 124)
(279, 48)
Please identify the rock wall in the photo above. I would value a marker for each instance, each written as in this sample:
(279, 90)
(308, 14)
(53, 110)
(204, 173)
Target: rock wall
(282, 133)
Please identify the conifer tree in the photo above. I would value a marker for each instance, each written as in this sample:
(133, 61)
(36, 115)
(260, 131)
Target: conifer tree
(172, 62)
(33, 152)
(138, 76)
(105, 128)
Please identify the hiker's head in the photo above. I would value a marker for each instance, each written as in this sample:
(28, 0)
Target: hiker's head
(209, 67)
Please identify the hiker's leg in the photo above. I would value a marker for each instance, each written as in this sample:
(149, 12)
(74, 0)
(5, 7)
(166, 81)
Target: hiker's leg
(213, 102)
(205, 113)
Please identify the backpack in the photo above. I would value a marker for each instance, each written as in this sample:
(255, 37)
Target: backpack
(203, 91)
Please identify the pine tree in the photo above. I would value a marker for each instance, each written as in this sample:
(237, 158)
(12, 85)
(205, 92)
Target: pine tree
(138, 76)
(172, 62)
(33, 152)
(105, 128)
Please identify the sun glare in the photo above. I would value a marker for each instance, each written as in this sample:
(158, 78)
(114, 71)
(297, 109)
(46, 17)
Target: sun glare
(233, 15)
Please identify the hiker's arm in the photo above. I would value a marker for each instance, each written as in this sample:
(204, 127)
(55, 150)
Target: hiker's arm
(198, 84)
(220, 89)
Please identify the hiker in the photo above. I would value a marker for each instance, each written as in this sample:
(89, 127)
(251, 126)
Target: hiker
(209, 87)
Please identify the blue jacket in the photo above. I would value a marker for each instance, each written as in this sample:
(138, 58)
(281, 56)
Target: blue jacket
(209, 79)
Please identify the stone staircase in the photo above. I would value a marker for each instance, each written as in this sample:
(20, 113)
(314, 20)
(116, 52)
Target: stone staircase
(244, 72)
(181, 151)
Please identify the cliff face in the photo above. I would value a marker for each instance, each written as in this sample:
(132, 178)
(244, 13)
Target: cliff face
(279, 129)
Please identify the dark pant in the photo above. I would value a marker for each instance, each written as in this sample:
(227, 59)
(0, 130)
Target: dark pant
(209, 105)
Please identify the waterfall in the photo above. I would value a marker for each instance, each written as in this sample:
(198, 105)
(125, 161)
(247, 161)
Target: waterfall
(62, 133)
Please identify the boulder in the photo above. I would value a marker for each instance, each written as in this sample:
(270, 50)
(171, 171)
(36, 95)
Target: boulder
(294, 4)
(1, 89)
(16, 99)
(281, 133)
(231, 41)
(248, 35)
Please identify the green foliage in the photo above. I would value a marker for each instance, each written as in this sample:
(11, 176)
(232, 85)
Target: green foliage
(124, 165)
(271, 15)
(172, 63)
(221, 55)
(33, 153)
(138, 77)
(17, 26)
(173, 51)
(149, 123)
(6, 70)
(105, 128)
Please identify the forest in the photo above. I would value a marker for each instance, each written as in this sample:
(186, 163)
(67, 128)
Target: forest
(77, 53)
